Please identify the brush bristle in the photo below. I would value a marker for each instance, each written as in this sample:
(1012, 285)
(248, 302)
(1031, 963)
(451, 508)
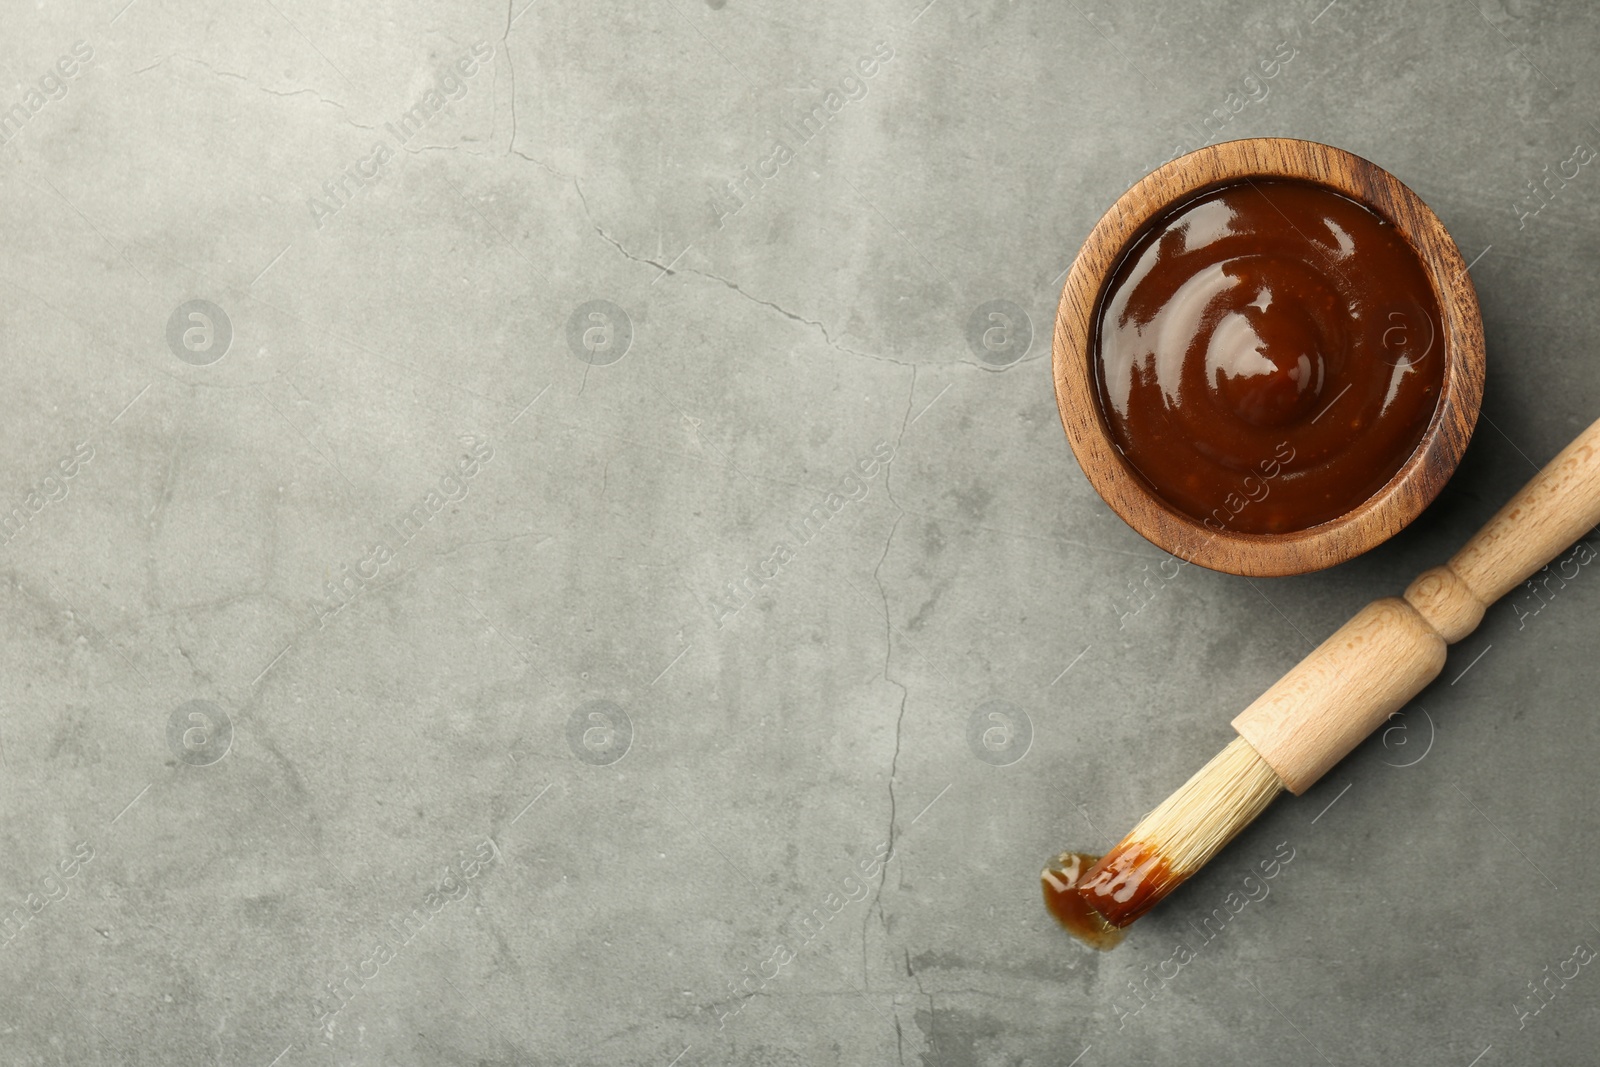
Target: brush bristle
(1181, 834)
(1222, 798)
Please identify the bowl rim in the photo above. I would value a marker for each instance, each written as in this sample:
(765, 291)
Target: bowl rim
(1418, 480)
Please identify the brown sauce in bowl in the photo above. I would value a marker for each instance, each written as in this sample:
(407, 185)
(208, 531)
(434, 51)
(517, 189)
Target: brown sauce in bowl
(1267, 355)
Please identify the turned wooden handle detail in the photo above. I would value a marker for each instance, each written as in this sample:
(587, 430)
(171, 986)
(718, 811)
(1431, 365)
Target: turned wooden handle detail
(1548, 514)
(1367, 670)
(1314, 715)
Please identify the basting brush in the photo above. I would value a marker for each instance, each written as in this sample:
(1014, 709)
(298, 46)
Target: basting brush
(1318, 712)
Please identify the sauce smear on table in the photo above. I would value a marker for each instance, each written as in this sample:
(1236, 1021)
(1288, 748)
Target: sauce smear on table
(1061, 882)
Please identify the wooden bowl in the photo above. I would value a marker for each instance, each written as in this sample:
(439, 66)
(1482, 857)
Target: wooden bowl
(1417, 481)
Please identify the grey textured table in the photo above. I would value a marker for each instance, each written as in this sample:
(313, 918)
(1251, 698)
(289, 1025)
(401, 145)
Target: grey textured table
(542, 535)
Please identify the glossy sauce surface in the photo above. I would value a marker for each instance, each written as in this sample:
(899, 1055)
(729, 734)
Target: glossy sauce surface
(1268, 355)
(1097, 897)
(1062, 882)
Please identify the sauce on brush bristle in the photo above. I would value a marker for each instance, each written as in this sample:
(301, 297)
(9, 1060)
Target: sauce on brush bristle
(1061, 882)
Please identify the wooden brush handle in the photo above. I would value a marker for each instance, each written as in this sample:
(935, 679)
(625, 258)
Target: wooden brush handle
(1548, 514)
(1367, 670)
